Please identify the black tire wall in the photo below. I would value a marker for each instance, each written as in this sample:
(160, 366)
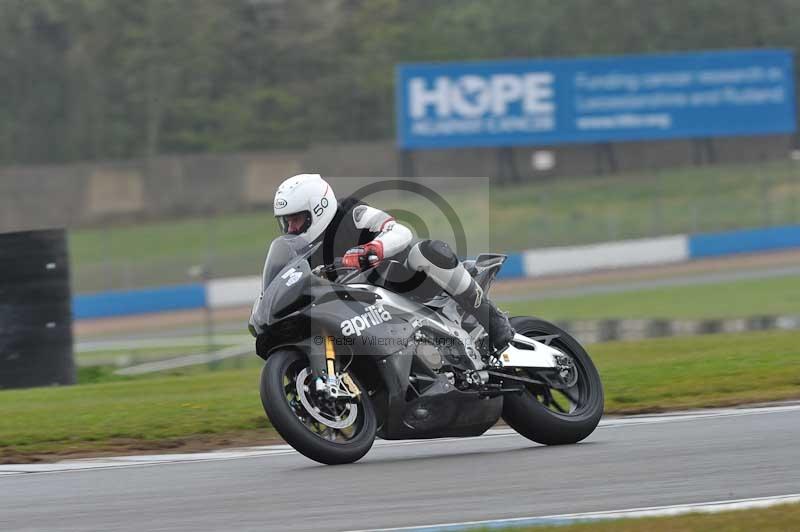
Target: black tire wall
(35, 310)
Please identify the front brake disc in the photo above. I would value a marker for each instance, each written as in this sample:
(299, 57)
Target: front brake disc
(315, 412)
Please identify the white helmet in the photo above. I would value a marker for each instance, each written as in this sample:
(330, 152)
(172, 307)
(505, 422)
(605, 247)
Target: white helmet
(308, 195)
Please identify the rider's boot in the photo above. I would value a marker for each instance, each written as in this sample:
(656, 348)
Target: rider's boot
(494, 322)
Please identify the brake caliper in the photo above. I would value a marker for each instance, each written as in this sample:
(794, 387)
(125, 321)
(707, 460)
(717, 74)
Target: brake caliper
(566, 370)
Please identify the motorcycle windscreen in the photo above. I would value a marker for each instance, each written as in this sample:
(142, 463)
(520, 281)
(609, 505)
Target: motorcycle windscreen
(277, 296)
(281, 252)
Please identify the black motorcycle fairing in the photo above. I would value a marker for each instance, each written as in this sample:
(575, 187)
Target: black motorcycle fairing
(324, 312)
(324, 291)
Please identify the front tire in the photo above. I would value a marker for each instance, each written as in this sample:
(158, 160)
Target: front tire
(306, 432)
(536, 414)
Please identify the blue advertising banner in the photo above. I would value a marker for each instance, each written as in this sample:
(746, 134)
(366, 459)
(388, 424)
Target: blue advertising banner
(638, 97)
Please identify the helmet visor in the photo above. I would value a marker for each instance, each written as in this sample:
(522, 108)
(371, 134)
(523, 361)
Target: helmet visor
(295, 224)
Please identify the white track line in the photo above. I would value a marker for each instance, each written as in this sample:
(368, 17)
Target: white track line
(168, 341)
(566, 519)
(187, 360)
(277, 450)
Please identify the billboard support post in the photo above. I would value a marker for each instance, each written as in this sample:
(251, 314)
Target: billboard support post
(406, 163)
(506, 168)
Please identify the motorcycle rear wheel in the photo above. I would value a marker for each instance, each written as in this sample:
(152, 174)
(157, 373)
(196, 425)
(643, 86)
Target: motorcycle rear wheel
(547, 415)
(320, 435)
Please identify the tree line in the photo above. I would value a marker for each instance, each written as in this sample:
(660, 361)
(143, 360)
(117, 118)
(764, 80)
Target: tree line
(114, 79)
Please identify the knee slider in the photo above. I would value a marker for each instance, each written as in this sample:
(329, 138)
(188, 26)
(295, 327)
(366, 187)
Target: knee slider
(438, 253)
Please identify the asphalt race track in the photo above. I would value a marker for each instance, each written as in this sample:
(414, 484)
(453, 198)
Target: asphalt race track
(627, 463)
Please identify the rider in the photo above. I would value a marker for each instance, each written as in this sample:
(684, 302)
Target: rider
(362, 235)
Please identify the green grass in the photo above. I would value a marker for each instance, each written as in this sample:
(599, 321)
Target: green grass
(546, 213)
(638, 376)
(98, 374)
(141, 409)
(780, 295)
(700, 371)
(780, 518)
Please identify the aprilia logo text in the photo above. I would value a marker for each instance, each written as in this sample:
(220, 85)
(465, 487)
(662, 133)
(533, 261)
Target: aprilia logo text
(374, 315)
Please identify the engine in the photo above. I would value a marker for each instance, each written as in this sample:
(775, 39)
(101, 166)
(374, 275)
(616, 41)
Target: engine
(430, 355)
(440, 351)
(443, 355)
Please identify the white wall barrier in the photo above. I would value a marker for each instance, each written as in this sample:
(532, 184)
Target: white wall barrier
(606, 255)
(233, 291)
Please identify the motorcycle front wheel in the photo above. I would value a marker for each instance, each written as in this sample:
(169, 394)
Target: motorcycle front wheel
(550, 415)
(328, 430)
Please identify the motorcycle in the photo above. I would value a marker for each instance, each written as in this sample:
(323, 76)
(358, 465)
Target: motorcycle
(352, 354)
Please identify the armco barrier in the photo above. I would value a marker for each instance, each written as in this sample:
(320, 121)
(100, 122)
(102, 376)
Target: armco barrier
(239, 291)
(594, 331)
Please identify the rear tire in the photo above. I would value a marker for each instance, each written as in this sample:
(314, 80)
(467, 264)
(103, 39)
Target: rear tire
(297, 434)
(531, 418)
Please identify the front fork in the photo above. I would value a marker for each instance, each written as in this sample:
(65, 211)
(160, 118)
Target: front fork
(327, 380)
